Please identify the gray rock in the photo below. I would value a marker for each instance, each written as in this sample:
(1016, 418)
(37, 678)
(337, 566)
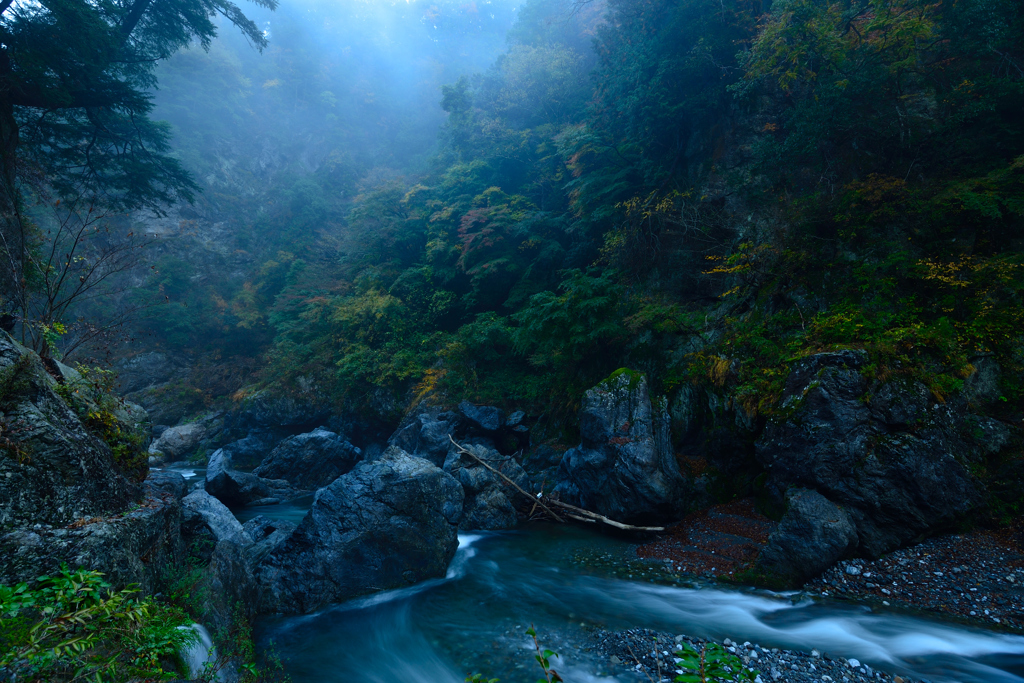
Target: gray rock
(135, 546)
(813, 535)
(383, 525)
(145, 370)
(268, 411)
(247, 453)
(624, 468)
(483, 418)
(212, 513)
(426, 434)
(179, 443)
(230, 575)
(515, 419)
(311, 460)
(53, 470)
(894, 483)
(242, 488)
(488, 502)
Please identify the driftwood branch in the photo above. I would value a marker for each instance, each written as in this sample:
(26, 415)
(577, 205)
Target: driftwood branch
(570, 511)
(507, 480)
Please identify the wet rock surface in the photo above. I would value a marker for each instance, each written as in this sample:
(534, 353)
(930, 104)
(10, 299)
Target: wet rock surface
(490, 503)
(385, 524)
(242, 488)
(896, 462)
(624, 467)
(309, 461)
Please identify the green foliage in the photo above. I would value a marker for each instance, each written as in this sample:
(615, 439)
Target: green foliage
(712, 664)
(73, 626)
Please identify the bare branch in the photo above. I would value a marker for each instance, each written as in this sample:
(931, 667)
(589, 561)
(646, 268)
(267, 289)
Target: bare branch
(571, 511)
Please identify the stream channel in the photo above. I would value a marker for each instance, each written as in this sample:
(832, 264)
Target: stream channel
(571, 582)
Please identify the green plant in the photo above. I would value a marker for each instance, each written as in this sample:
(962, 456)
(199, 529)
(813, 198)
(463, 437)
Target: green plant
(543, 658)
(712, 664)
(73, 626)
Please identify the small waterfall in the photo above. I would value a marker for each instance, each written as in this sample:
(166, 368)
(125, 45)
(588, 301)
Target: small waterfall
(197, 656)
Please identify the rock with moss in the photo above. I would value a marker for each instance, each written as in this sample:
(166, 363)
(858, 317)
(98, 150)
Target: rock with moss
(624, 468)
(895, 459)
(62, 458)
(386, 524)
(135, 545)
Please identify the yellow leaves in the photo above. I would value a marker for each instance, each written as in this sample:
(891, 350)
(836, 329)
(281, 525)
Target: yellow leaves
(718, 370)
(272, 83)
(968, 271)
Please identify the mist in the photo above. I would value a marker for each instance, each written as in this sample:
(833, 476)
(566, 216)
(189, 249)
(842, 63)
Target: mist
(355, 82)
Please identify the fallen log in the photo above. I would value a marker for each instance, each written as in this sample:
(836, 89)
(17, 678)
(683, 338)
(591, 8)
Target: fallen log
(570, 511)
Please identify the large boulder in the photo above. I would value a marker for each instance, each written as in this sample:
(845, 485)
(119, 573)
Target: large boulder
(202, 509)
(488, 502)
(891, 456)
(231, 573)
(145, 370)
(53, 470)
(136, 546)
(311, 460)
(179, 443)
(385, 524)
(242, 488)
(426, 434)
(624, 468)
(813, 535)
(247, 453)
(266, 410)
(486, 419)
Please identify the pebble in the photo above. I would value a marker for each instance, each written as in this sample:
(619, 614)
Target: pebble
(975, 576)
(642, 651)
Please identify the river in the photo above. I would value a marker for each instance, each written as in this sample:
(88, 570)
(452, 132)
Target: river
(569, 582)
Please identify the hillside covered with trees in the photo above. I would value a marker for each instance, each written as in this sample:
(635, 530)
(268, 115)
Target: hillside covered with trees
(742, 280)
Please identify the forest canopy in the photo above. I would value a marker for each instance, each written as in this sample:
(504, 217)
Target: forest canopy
(700, 190)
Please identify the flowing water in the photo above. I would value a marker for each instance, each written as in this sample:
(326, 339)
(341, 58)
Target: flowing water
(570, 582)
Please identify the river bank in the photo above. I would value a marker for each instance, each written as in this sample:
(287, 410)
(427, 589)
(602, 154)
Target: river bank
(588, 601)
(975, 577)
(651, 653)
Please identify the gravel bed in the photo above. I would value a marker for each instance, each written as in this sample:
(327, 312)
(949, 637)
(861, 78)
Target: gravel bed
(647, 652)
(977, 577)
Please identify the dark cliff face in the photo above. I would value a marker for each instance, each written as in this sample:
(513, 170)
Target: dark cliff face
(63, 496)
(53, 469)
(864, 467)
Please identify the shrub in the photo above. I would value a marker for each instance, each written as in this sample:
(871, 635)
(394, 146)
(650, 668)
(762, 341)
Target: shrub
(73, 626)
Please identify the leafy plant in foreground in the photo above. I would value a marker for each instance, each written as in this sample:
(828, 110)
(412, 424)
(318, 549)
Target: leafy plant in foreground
(73, 627)
(712, 664)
